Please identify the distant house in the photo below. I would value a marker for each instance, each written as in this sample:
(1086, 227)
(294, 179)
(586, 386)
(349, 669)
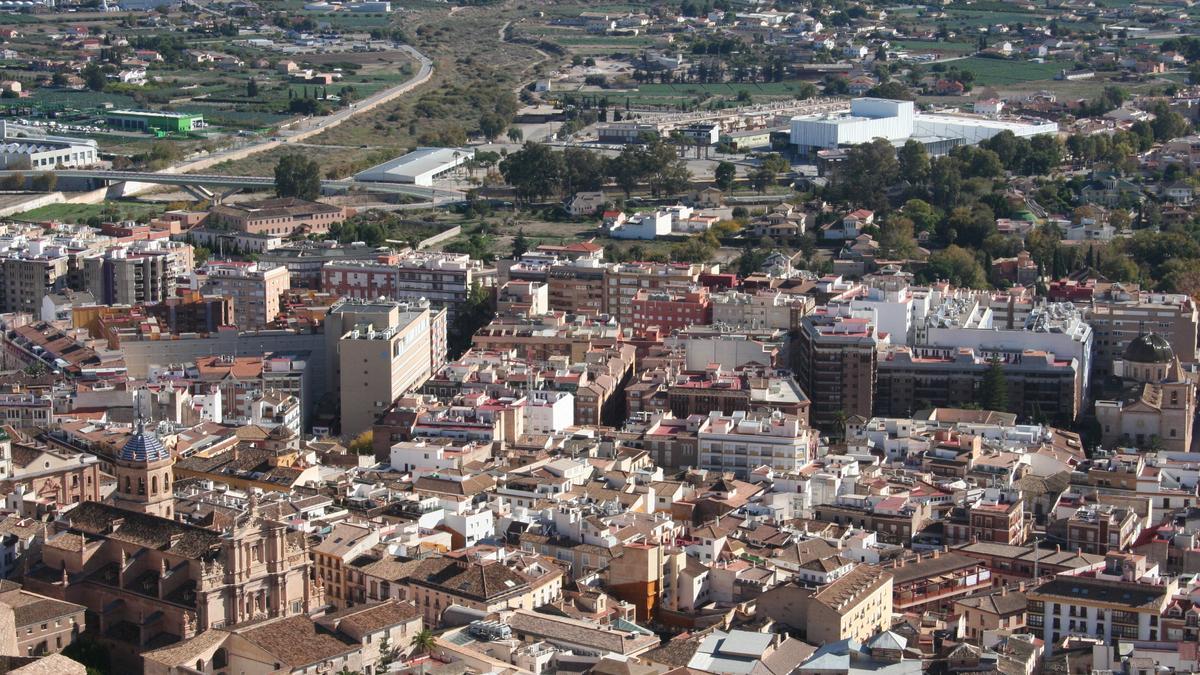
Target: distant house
(1179, 192)
(645, 225)
(709, 198)
(1108, 190)
(850, 226)
(948, 88)
(988, 106)
(613, 219)
(585, 203)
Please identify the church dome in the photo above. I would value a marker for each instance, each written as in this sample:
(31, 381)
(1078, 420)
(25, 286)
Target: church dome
(1149, 348)
(144, 446)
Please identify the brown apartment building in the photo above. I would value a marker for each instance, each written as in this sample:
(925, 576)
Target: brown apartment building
(283, 216)
(254, 289)
(835, 362)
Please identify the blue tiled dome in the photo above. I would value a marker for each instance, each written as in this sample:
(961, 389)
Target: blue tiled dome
(144, 446)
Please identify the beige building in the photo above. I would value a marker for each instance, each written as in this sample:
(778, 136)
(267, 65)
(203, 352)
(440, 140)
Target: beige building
(254, 289)
(143, 470)
(1119, 314)
(332, 558)
(1002, 610)
(383, 350)
(1157, 406)
(283, 216)
(41, 625)
(855, 606)
(148, 579)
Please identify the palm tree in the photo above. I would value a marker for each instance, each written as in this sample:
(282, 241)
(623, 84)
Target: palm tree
(423, 642)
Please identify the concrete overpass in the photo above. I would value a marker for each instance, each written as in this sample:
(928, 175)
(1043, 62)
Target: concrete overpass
(216, 187)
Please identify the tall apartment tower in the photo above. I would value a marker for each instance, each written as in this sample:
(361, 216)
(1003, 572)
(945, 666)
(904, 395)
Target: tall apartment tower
(380, 351)
(144, 470)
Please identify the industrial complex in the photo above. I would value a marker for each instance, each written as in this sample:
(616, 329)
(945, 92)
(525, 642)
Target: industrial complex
(418, 167)
(898, 121)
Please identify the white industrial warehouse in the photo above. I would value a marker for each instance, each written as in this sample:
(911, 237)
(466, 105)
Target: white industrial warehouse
(26, 148)
(898, 121)
(418, 167)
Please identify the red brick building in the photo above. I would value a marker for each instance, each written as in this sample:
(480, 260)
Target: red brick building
(669, 310)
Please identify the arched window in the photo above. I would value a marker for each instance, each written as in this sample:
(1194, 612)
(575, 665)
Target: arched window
(128, 486)
(220, 659)
(200, 665)
(154, 485)
(141, 485)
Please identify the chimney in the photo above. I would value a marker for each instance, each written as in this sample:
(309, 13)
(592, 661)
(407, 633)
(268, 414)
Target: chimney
(1058, 548)
(1003, 591)
(1021, 586)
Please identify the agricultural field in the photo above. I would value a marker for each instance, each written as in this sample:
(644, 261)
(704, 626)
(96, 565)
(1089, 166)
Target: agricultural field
(1000, 72)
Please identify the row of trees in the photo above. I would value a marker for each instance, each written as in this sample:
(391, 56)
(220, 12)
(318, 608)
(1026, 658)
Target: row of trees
(536, 171)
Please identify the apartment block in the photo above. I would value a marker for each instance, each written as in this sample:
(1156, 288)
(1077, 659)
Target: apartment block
(574, 285)
(835, 361)
(1125, 600)
(144, 272)
(623, 281)
(445, 279)
(1119, 313)
(765, 308)
(27, 276)
(253, 287)
(669, 310)
(382, 351)
(742, 442)
(1040, 384)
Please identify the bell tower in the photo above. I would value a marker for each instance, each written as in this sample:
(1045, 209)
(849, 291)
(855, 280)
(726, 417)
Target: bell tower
(144, 470)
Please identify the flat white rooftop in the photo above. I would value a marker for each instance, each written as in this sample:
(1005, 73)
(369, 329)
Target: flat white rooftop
(418, 167)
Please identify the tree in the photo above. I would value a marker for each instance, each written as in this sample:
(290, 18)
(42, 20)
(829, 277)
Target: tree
(896, 238)
(491, 125)
(582, 170)
(914, 162)
(534, 171)
(473, 314)
(424, 642)
(44, 182)
(13, 182)
(519, 245)
(363, 444)
(515, 135)
(869, 169)
(993, 391)
(923, 216)
(724, 175)
(251, 88)
(94, 77)
(387, 654)
(762, 178)
(956, 265)
(297, 176)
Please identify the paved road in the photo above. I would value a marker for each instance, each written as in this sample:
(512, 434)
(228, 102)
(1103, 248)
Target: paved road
(301, 130)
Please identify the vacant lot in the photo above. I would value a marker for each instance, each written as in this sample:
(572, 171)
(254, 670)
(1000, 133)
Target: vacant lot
(80, 213)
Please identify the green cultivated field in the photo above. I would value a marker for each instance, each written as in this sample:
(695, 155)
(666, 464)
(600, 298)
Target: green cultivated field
(1000, 71)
